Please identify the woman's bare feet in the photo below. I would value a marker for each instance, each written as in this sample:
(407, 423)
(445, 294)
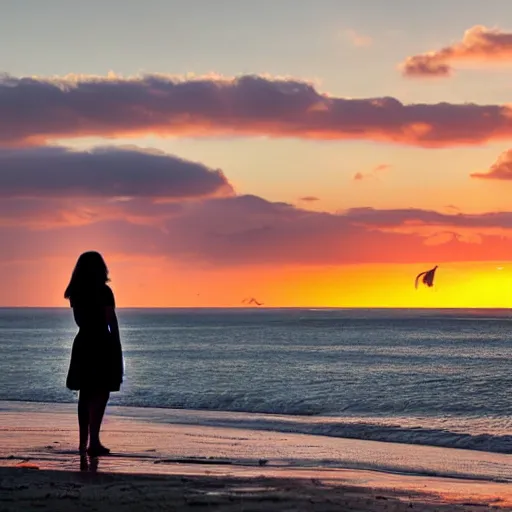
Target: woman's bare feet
(98, 450)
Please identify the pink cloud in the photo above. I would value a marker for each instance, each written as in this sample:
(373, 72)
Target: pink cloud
(480, 45)
(382, 167)
(309, 199)
(55, 200)
(236, 107)
(248, 230)
(359, 176)
(53, 213)
(499, 170)
(374, 218)
(357, 39)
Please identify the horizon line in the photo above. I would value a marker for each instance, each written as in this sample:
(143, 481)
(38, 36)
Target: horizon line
(276, 307)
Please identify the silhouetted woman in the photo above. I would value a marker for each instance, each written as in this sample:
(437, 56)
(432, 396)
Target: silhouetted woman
(96, 366)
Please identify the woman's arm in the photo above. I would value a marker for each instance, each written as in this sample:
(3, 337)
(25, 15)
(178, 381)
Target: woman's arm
(112, 322)
(114, 331)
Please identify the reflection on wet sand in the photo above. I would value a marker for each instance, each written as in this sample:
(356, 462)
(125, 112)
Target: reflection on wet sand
(89, 464)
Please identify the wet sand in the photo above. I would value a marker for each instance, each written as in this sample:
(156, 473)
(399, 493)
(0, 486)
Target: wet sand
(161, 466)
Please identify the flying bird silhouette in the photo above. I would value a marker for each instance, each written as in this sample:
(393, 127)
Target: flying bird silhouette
(252, 301)
(426, 277)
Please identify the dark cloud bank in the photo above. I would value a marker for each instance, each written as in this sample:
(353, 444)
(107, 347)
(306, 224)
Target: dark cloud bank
(34, 111)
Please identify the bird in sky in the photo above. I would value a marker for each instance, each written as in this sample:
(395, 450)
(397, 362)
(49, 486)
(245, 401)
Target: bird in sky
(252, 300)
(427, 277)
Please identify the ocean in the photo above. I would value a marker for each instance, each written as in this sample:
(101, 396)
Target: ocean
(430, 377)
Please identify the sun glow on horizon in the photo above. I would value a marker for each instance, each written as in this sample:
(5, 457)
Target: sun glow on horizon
(157, 283)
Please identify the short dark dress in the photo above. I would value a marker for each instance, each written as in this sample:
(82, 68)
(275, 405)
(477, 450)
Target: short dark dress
(96, 357)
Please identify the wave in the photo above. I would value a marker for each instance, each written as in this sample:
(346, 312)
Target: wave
(461, 432)
(388, 429)
(370, 432)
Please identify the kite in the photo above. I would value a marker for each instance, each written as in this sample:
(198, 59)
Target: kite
(427, 277)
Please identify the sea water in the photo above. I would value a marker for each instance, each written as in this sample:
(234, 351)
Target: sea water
(431, 377)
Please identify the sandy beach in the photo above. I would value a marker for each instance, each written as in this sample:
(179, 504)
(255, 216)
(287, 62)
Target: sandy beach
(157, 465)
(30, 490)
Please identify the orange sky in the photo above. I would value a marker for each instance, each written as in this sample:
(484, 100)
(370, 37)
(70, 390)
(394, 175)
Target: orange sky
(327, 174)
(155, 283)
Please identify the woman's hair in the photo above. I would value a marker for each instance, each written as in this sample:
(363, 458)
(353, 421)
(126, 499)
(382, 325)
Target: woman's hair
(90, 271)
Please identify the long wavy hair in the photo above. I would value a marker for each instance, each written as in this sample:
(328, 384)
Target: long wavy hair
(90, 272)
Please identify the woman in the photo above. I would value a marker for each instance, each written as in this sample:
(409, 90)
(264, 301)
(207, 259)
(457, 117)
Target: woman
(96, 366)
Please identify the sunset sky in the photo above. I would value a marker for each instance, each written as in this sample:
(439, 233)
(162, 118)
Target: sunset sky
(303, 152)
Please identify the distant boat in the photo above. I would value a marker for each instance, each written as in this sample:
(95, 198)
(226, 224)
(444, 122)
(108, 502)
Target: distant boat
(427, 277)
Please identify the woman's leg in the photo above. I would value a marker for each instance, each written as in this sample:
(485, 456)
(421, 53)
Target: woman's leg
(97, 406)
(83, 420)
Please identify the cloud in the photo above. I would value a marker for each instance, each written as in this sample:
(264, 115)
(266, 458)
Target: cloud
(52, 213)
(375, 218)
(107, 172)
(499, 170)
(357, 39)
(309, 199)
(382, 167)
(359, 176)
(161, 105)
(248, 230)
(452, 208)
(480, 45)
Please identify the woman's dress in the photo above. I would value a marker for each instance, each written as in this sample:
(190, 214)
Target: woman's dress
(96, 357)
